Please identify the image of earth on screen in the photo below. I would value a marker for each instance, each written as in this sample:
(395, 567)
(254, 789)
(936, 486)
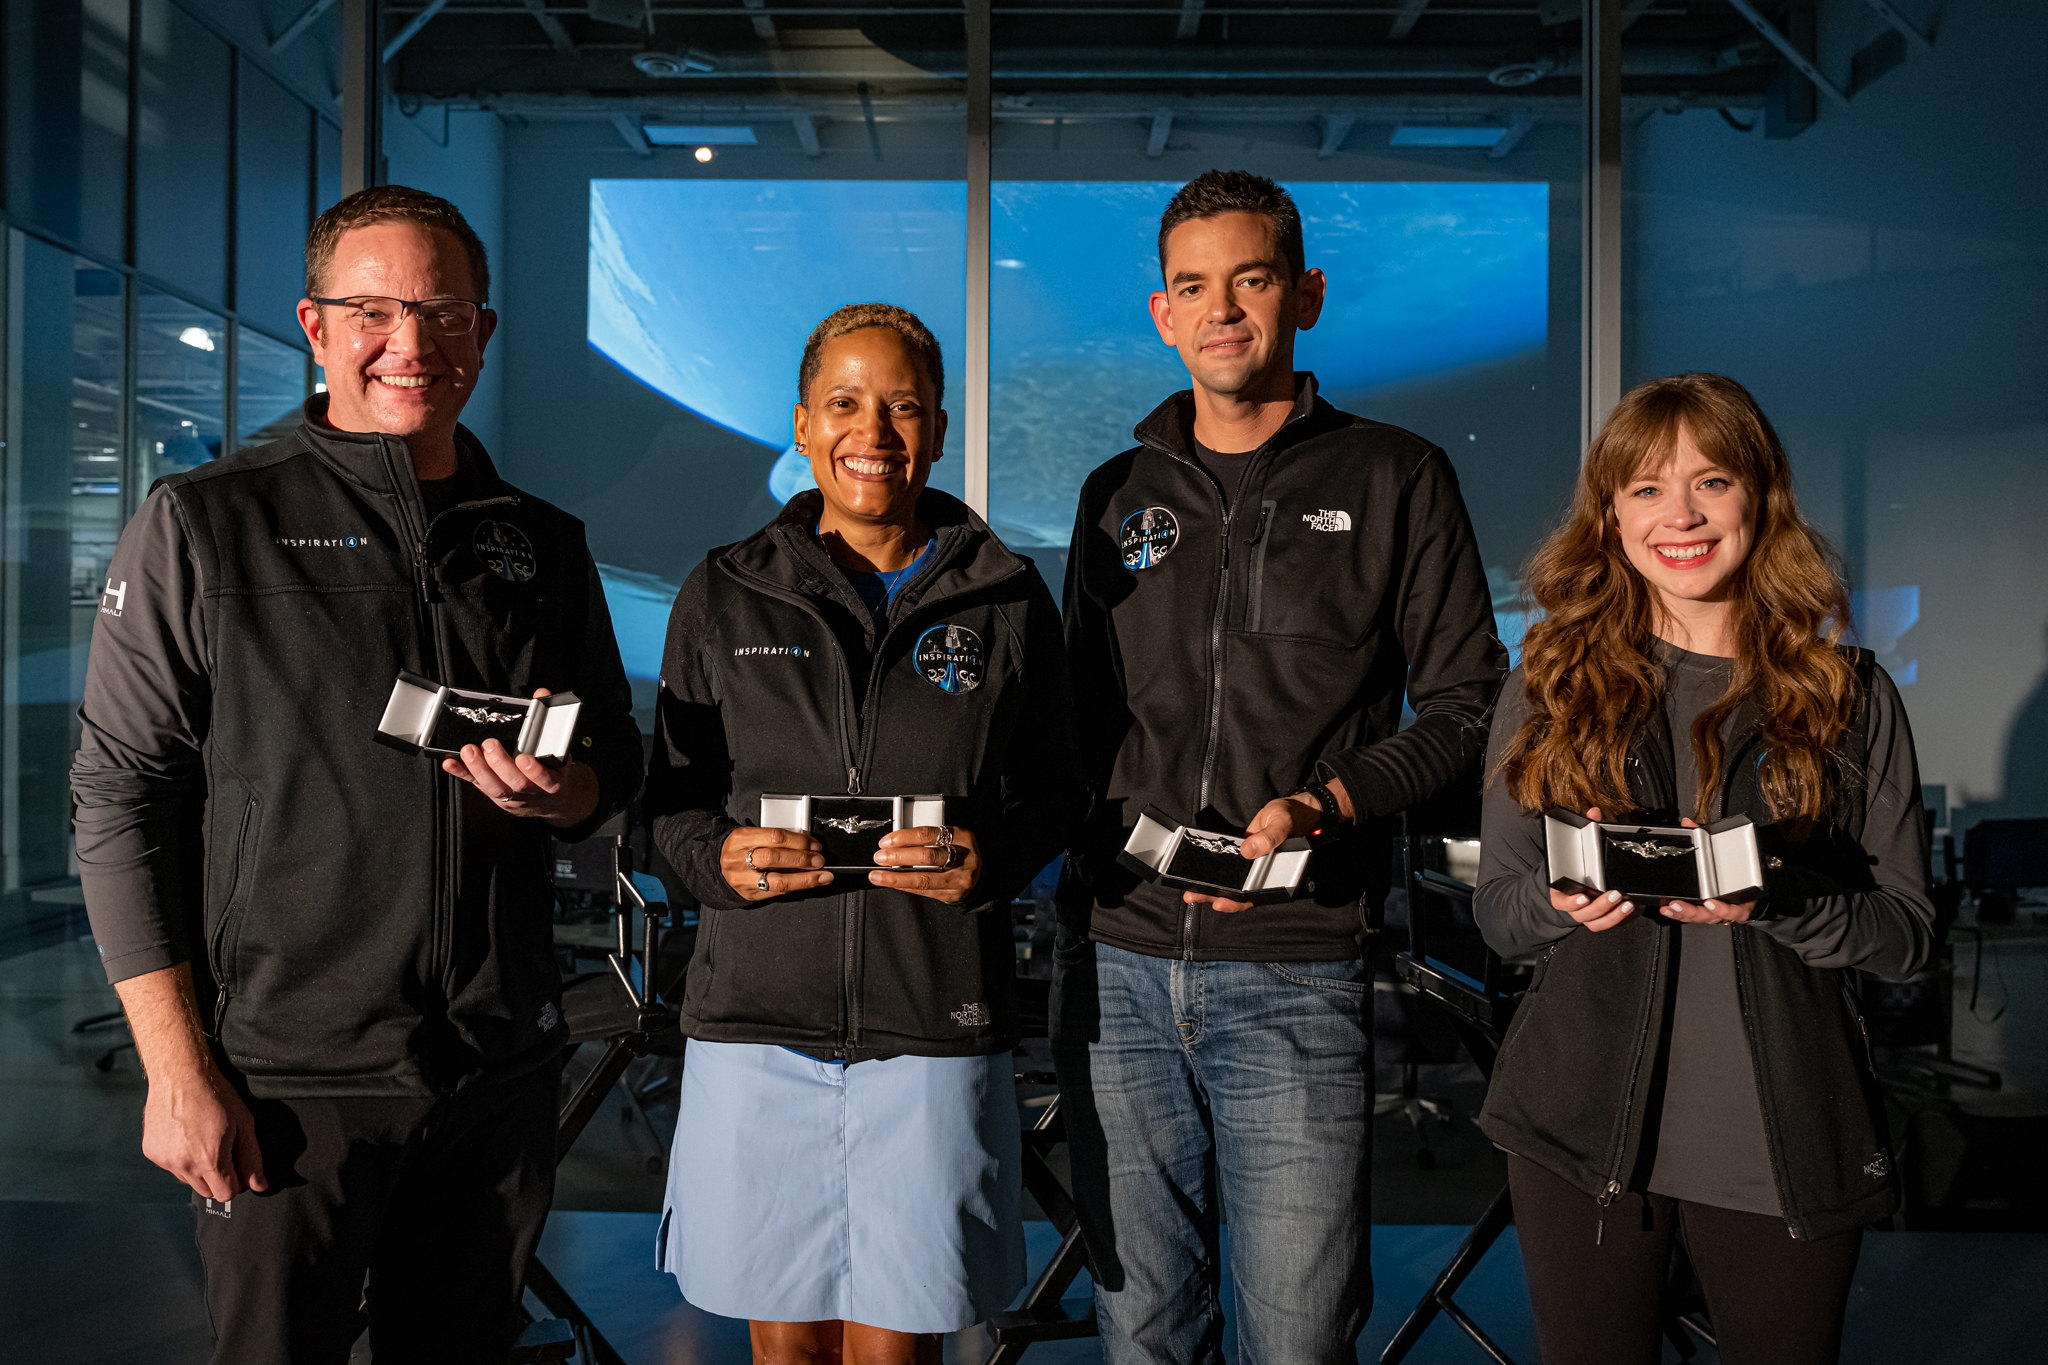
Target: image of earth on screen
(1427, 279)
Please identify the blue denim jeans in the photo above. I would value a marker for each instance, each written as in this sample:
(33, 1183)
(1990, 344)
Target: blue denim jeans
(1196, 1090)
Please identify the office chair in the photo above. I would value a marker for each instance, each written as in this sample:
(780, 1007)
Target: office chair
(625, 1007)
(1043, 1315)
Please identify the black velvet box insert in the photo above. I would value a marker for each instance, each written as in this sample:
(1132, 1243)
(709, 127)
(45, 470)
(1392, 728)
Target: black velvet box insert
(423, 717)
(1654, 862)
(1162, 849)
(851, 827)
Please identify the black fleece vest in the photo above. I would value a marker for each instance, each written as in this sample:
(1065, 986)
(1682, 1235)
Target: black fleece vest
(1571, 1090)
(371, 924)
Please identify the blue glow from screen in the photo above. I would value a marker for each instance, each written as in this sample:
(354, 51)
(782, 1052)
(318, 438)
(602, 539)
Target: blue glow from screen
(706, 289)
(1426, 279)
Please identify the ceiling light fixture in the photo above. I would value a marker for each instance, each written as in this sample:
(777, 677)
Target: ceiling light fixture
(699, 135)
(1438, 135)
(674, 65)
(198, 338)
(704, 154)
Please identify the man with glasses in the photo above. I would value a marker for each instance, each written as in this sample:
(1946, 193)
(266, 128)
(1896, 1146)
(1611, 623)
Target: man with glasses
(336, 956)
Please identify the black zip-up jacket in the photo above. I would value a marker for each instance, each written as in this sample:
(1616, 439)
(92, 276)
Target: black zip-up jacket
(1574, 1087)
(1223, 660)
(358, 921)
(774, 681)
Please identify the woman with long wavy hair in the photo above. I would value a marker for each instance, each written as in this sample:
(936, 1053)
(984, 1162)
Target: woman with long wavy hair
(1697, 1069)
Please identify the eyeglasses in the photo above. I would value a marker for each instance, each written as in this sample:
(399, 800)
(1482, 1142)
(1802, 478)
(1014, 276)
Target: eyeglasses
(378, 317)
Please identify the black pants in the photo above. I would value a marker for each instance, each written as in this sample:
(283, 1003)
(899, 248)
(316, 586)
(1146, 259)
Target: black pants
(1597, 1276)
(423, 1211)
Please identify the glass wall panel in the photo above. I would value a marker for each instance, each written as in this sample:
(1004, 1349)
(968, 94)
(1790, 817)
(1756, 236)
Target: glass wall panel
(273, 167)
(327, 165)
(180, 385)
(270, 386)
(67, 119)
(63, 513)
(181, 154)
(1876, 274)
(1438, 186)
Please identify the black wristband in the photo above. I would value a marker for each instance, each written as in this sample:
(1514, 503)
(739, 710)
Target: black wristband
(1333, 814)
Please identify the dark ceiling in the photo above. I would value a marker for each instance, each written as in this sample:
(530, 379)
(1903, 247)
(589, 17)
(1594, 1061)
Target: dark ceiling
(468, 49)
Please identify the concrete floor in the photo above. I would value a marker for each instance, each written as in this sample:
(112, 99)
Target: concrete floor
(115, 1284)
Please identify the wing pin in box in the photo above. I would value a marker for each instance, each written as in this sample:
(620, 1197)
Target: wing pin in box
(1162, 849)
(1655, 862)
(851, 827)
(423, 717)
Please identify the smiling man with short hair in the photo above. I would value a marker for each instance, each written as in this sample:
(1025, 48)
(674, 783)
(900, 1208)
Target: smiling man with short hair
(1251, 593)
(337, 958)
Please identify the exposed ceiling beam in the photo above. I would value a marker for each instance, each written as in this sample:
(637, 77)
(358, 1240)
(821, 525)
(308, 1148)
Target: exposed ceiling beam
(1293, 64)
(1800, 61)
(806, 132)
(551, 26)
(1518, 128)
(1404, 22)
(406, 34)
(1044, 107)
(635, 136)
(306, 19)
(764, 27)
(1162, 128)
(1190, 19)
(1890, 14)
(1336, 127)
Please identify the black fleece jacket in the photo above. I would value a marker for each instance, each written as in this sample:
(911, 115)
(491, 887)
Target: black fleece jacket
(358, 921)
(1222, 659)
(777, 679)
(1575, 1085)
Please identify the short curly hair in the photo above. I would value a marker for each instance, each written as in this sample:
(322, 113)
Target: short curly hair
(857, 317)
(1217, 192)
(391, 204)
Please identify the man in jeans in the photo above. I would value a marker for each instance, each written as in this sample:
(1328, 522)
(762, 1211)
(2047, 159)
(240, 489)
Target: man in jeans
(1252, 591)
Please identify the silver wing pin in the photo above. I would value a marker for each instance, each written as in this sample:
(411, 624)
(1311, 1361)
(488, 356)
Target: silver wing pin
(483, 715)
(851, 824)
(1644, 848)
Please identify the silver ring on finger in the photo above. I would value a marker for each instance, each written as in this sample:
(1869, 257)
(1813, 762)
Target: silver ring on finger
(761, 883)
(750, 859)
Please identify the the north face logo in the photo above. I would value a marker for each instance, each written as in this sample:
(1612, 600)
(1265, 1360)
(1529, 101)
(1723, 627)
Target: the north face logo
(1327, 520)
(975, 1015)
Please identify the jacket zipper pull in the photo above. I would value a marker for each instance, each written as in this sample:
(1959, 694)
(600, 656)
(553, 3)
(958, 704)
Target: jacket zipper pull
(422, 578)
(220, 1009)
(1259, 528)
(1611, 1193)
(853, 782)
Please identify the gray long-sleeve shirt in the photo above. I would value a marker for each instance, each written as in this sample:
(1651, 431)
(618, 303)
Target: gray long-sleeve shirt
(1709, 1144)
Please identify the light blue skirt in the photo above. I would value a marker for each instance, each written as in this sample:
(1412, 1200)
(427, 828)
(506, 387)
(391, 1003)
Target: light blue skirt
(883, 1193)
